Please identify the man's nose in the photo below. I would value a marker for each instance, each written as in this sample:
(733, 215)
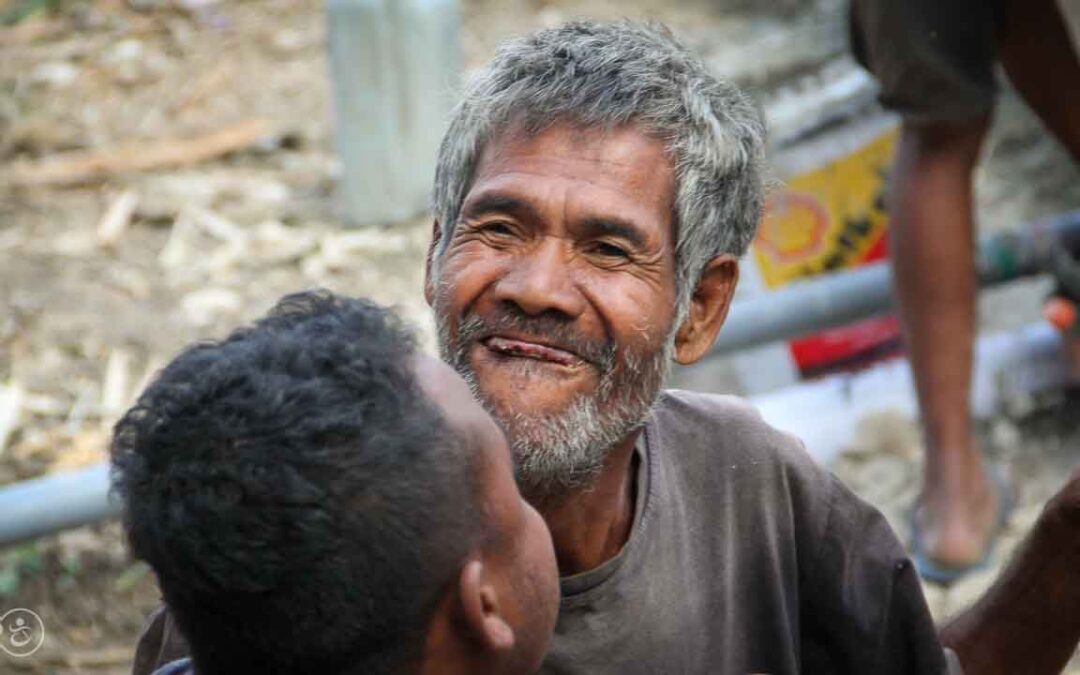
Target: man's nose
(541, 281)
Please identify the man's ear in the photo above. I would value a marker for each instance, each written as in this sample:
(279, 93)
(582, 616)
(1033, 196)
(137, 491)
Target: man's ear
(481, 609)
(429, 262)
(708, 308)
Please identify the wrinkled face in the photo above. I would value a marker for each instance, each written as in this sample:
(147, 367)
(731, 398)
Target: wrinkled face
(520, 554)
(555, 295)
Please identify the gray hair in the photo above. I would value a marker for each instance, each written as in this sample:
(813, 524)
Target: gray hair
(598, 74)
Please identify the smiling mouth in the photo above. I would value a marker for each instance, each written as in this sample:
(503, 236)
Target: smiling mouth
(531, 350)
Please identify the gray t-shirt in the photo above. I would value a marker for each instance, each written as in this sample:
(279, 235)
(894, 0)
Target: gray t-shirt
(744, 557)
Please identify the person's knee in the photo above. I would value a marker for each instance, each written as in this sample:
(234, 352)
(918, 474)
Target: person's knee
(954, 141)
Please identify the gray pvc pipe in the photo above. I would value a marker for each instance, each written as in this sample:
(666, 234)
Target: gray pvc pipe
(805, 307)
(838, 299)
(54, 503)
(50, 504)
(394, 67)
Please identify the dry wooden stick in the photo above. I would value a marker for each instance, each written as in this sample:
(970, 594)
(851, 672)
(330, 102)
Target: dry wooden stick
(79, 167)
(117, 218)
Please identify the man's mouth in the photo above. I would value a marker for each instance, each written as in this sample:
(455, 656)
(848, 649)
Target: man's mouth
(530, 350)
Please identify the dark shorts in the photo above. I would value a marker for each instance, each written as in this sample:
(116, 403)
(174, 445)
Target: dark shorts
(934, 59)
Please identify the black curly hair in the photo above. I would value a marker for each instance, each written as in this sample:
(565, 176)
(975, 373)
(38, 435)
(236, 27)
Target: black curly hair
(301, 501)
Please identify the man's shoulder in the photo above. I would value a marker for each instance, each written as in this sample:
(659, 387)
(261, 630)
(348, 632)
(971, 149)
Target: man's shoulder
(724, 427)
(716, 406)
(737, 474)
(719, 452)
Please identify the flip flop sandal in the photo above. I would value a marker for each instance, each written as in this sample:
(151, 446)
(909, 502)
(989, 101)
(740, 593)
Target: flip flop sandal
(934, 572)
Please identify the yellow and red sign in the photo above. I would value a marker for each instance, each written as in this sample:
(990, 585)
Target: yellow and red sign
(826, 220)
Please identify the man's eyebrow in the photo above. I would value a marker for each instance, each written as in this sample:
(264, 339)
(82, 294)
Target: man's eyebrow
(499, 203)
(617, 227)
(593, 226)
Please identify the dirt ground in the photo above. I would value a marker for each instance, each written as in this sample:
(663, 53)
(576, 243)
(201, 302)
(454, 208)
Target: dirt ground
(102, 280)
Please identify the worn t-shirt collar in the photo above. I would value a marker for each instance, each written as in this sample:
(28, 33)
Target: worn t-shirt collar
(576, 584)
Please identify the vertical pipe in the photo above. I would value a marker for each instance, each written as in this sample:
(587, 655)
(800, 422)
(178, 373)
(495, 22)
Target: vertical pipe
(394, 66)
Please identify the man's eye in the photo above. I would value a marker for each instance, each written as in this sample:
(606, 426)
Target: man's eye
(610, 250)
(496, 227)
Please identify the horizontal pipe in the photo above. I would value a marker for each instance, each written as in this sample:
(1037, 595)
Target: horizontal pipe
(805, 307)
(55, 502)
(842, 298)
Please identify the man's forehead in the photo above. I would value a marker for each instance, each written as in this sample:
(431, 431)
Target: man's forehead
(624, 151)
(622, 172)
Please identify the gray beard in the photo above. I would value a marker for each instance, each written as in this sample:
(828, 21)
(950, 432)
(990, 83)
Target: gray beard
(559, 454)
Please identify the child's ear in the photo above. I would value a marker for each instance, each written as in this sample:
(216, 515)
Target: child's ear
(481, 609)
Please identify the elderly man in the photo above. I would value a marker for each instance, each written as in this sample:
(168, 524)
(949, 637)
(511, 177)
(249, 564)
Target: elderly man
(593, 193)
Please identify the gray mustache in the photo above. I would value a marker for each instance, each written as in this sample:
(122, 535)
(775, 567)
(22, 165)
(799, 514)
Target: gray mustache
(559, 333)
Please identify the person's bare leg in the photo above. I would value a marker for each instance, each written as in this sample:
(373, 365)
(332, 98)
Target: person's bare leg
(932, 250)
(1042, 64)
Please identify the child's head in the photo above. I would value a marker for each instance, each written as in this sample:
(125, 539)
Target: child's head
(317, 497)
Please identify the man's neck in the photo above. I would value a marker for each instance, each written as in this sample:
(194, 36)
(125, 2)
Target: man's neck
(590, 526)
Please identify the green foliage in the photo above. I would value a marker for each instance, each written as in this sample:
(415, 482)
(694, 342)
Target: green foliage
(17, 564)
(19, 10)
(131, 577)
